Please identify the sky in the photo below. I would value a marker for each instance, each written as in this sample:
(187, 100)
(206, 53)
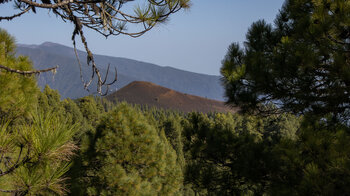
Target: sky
(194, 40)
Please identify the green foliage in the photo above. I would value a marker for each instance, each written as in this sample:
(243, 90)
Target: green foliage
(90, 109)
(36, 138)
(35, 156)
(316, 164)
(301, 63)
(17, 93)
(50, 100)
(173, 131)
(154, 12)
(128, 156)
(232, 154)
(243, 155)
(72, 111)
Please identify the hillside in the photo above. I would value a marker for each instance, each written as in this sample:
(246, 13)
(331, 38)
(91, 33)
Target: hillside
(147, 93)
(68, 83)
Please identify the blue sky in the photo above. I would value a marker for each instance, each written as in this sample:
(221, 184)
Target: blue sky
(195, 40)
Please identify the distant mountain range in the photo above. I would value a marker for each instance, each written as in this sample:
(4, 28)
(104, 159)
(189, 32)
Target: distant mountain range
(150, 94)
(67, 79)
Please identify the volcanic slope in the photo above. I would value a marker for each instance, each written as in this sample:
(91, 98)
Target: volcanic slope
(150, 94)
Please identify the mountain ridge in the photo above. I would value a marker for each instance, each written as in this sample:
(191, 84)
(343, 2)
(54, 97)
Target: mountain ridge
(67, 80)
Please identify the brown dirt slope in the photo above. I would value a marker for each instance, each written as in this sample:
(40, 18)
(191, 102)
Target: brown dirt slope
(147, 93)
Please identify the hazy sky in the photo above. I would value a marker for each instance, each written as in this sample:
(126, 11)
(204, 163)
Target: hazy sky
(194, 40)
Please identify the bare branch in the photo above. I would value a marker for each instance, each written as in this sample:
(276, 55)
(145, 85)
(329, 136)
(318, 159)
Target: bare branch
(15, 15)
(53, 6)
(115, 78)
(27, 72)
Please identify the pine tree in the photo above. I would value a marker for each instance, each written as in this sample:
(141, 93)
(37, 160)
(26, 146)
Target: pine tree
(301, 63)
(128, 156)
